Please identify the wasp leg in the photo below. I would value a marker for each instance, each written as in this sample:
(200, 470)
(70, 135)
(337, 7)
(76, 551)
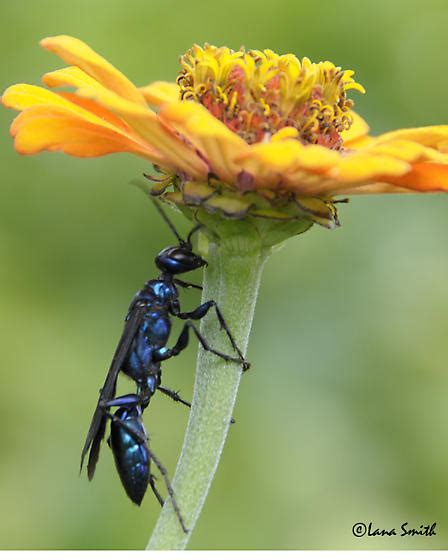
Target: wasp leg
(134, 433)
(176, 398)
(156, 493)
(174, 395)
(130, 400)
(170, 490)
(183, 284)
(201, 311)
(182, 342)
(143, 440)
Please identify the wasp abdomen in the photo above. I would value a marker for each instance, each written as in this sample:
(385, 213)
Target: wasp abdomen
(130, 450)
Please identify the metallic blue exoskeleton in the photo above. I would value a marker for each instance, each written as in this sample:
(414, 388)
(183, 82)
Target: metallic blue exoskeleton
(128, 442)
(140, 351)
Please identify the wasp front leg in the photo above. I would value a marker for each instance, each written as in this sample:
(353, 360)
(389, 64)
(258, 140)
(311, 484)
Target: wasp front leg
(200, 312)
(182, 343)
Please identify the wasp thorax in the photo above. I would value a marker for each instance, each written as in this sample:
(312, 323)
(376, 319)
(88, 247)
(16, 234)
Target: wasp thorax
(259, 93)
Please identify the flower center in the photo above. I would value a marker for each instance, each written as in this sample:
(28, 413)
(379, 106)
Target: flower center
(258, 93)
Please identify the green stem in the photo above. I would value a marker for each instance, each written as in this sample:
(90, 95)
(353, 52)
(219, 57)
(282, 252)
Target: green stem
(232, 279)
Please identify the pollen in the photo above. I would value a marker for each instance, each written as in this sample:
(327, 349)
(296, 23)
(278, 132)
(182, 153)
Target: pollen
(258, 93)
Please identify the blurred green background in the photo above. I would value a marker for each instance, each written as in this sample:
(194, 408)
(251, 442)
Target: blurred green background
(343, 417)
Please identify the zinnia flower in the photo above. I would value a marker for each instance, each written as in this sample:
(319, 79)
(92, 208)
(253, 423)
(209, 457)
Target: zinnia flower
(240, 132)
(270, 141)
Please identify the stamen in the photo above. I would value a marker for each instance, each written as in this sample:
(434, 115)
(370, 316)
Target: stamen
(257, 93)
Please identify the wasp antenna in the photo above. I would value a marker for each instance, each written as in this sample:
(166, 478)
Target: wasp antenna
(168, 222)
(192, 232)
(151, 194)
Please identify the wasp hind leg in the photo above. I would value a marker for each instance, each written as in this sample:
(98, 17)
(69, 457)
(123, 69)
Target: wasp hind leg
(152, 483)
(144, 441)
(170, 490)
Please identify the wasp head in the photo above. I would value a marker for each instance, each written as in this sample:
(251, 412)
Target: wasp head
(179, 259)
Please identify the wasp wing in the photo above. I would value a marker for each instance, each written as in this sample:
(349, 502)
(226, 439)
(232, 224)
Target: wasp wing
(98, 425)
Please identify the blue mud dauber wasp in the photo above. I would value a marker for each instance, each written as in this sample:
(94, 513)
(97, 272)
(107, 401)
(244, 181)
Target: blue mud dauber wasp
(139, 354)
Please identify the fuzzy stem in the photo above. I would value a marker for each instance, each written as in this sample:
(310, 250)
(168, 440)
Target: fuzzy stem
(232, 279)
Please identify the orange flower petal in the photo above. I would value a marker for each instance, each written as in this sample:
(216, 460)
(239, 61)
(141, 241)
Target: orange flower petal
(55, 129)
(76, 52)
(159, 93)
(90, 89)
(148, 125)
(392, 166)
(97, 110)
(423, 177)
(26, 97)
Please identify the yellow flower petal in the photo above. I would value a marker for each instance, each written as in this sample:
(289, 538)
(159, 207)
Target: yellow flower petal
(275, 163)
(374, 188)
(407, 151)
(192, 138)
(69, 76)
(23, 96)
(76, 52)
(284, 133)
(291, 154)
(357, 130)
(149, 126)
(218, 144)
(159, 93)
(357, 167)
(431, 136)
